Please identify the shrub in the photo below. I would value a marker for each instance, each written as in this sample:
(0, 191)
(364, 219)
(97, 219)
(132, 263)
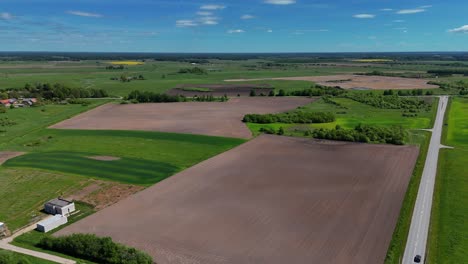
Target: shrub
(297, 116)
(96, 249)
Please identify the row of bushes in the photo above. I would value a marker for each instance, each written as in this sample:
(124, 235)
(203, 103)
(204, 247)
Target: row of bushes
(448, 72)
(362, 133)
(150, 97)
(414, 92)
(297, 117)
(96, 249)
(315, 90)
(194, 70)
(388, 102)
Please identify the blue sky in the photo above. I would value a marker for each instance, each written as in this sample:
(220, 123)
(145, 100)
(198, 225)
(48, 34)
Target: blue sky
(233, 26)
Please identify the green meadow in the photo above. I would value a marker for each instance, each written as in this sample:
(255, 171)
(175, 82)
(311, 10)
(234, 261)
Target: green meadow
(352, 114)
(144, 158)
(448, 239)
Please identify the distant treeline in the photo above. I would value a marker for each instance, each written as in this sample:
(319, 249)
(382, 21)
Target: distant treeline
(414, 92)
(150, 97)
(194, 70)
(55, 91)
(448, 72)
(315, 90)
(362, 133)
(394, 74)
(297, 117)
(202, 57)
(95, 249)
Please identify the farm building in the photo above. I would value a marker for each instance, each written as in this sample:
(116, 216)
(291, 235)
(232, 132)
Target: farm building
(51, 223)
(59, 206)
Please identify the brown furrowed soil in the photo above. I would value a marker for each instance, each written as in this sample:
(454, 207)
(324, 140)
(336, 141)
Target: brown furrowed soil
(356, 82)
(205, 118)
(271, 200)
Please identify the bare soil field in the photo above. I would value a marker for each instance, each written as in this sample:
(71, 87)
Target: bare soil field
(6, 155)
(220, 90)
(205, 118)
(271, 200)
(355, 82)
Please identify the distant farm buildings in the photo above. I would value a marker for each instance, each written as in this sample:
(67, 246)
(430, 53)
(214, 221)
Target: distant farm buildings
(59, 206)
(22, 102)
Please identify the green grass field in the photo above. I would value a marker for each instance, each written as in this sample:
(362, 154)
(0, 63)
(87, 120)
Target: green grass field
(16, 258)
(145, 157)
(354, 114)
(448, 240)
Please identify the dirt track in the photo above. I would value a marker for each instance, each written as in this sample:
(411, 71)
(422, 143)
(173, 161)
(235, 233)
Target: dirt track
(6, 155)
(358, 82)
(205, 118)
(271, 200)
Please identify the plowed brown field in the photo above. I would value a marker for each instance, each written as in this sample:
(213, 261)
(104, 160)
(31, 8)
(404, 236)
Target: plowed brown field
(271, 200)
(358, 82)
(205, 118)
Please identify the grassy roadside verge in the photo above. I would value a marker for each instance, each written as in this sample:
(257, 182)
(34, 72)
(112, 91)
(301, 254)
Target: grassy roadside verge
(16, 258)
(400, 234)
(448, 233)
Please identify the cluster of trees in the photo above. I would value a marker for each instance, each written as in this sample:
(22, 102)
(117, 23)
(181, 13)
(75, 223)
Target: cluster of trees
(194, 70)
(125, 78)
(388, 101)
(328, 99)
(362, 133)
(272, 131)
(96, 249)
(315, 90)
(414, 92)
(115, 67)
(150, 97)
(7, 257)
(460, 86)
(60, 91)
(295, 117)
(254, 92)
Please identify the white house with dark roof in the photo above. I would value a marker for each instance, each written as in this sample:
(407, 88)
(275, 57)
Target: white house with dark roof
(59, 206)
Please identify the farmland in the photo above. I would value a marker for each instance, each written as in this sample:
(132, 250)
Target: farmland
(448, 237)
(291, 228)
(206, 118)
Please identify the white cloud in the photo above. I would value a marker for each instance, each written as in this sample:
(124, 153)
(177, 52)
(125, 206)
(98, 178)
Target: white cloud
(425, 6)
(234, 31)
(280, 2)
(462, 29)
(386, 9)
(6, 16)
(270, 30)
(204, 13)
(186, 23)
(411, 11)
(398, 21)
(209, 20)
(245, 17)
(364, 16)
(212, 7)
(83, 14)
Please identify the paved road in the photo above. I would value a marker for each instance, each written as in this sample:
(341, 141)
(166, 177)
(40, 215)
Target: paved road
(5, 244)
(417, 237)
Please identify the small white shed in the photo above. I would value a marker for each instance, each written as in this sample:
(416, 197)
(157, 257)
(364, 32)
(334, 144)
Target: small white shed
(51, 223)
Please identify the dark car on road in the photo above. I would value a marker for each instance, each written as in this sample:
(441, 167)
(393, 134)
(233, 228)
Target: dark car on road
(417, 259)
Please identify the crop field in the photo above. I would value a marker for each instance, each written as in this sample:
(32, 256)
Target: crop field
(207, 118)
(448, 241)
(218, 90)
(233, 208)
(358, 82)
(127, 63)
(144, 157)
